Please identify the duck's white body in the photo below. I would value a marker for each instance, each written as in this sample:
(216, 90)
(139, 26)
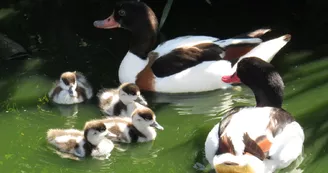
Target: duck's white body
(63, 96)
(202, 77)
(286, 145)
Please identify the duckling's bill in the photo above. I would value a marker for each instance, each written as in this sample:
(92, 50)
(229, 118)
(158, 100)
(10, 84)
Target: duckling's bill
(157, 126)
(141, 100)
(71, 92)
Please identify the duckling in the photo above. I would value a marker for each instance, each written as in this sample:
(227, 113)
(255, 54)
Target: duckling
(91, 142)
(138, 128)
(71, 88)
(121, 101)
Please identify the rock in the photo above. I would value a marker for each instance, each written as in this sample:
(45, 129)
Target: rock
(9, 49)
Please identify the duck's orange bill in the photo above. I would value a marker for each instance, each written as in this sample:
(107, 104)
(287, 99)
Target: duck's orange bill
(231, 79)
(223, 168)
(108, 23)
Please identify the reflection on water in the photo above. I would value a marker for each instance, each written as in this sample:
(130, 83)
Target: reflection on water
(208, 103)
(70, 112)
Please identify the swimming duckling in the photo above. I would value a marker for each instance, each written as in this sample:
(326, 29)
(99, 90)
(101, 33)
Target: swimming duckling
(92, 141)
(138, 128)
(121, 101)
(71, 88)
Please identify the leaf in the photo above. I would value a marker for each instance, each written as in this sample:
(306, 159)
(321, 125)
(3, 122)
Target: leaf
(8, 156)
(165, 13)
(209, 2)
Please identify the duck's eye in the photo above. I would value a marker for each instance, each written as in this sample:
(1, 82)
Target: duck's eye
(138, 119)
(94, 133)
(121, 12)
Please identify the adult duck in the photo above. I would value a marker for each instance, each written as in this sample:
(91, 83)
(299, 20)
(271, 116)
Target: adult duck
(183, 64)
(257, 139)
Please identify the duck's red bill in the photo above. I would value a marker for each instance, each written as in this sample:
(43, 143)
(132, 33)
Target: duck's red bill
(231, 79)
(108, 23)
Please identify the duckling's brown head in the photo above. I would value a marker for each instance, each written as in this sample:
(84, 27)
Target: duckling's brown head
(130, 92)
(145, 117)
(68, 82)
(95, 131)
(130, 89)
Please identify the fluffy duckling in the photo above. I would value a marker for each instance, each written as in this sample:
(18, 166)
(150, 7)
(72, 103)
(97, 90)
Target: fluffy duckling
(91, 142)
(121, 101)
(138, 128)
(71, 88)
(257, 139)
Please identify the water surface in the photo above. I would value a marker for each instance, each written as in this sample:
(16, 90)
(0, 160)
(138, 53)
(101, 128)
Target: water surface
(26, 114)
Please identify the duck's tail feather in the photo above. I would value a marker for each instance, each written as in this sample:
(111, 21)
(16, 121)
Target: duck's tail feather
(266, 50)
(258, 33)
(239, 45)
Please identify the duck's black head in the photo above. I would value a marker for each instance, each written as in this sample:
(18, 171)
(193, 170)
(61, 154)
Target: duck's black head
(262, 78)
(138, 18)
(131, 15)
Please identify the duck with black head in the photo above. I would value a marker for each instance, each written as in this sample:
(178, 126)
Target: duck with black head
(121, 101)
(184, 64)
(257, 139)
(71, 88)
(140, 127)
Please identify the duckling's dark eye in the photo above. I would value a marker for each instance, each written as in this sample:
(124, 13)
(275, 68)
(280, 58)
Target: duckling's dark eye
(121, 12)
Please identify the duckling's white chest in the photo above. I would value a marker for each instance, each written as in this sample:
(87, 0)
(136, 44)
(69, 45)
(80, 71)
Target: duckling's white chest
(63, 97)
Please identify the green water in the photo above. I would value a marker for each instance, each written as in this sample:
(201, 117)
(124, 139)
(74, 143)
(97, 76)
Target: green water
(26, 115)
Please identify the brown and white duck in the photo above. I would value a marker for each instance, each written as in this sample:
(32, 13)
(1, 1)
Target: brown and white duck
(139, 128)
(121, 101)
(91, 142)
(257, 139)
(184, 64)
(71, 88)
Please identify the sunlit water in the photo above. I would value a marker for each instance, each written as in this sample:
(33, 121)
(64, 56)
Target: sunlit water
(26, 115)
